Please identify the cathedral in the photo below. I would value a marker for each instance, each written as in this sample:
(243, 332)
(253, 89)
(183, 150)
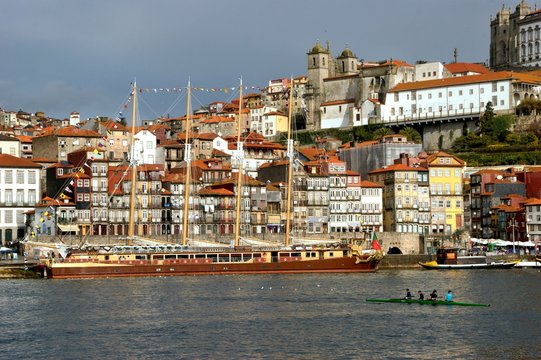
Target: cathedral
(515, 40)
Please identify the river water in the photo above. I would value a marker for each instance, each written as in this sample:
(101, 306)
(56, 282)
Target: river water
(311, 316)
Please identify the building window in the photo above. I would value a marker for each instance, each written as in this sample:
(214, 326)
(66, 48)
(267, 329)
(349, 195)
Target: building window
(32, 177)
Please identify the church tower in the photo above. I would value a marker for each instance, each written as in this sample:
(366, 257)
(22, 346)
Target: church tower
(504, 33)
(347, 62)
(320, 66)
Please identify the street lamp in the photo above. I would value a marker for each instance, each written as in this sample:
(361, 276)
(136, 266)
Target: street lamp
(513, 226)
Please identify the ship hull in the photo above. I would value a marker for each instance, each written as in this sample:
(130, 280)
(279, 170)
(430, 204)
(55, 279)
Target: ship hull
(94, 270)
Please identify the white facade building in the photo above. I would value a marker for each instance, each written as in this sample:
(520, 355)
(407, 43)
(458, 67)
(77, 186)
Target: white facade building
(20, 191)
(371, 206)
(431, 71)
(337, 113)
(529, 39)
(10, 145)
(75, 118)
(533, 220)
(458, 96)
(256, 117)
(145, 147)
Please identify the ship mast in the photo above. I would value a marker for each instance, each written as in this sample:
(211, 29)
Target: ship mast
(240, 160)
(187, 159)
(290, 156)
(133, 165)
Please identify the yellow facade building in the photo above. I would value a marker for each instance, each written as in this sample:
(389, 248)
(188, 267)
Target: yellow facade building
(446, 174)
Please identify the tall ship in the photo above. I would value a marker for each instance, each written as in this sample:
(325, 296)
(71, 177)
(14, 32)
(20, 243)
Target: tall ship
(187, 259)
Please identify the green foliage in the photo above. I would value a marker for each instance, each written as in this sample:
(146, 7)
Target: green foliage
(411, 134)
(469, 142)
(528, 107)
(498, 127)
(381, 132)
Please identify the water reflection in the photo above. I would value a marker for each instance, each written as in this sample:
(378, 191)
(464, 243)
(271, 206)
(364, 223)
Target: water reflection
(273, 316)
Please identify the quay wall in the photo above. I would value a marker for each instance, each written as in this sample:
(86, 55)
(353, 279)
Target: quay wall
(403, 261)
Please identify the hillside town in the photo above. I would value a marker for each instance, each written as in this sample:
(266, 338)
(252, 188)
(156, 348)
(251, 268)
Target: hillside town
(70, 178)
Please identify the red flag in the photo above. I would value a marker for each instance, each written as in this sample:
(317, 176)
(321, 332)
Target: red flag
(375, 243)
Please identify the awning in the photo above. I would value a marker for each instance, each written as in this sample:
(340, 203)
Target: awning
(69, 228)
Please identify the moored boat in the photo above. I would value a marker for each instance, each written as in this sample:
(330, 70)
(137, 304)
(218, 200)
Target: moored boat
(133, 261)
(447, 258)
(529, 263)
(426, 302)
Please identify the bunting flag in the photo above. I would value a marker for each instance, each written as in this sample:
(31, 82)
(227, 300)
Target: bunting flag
(77, 175)
(96, 152)
(88, 166)
(46, 213)
(72, 181)
(62, 196)
(225, 90)
(68, 190)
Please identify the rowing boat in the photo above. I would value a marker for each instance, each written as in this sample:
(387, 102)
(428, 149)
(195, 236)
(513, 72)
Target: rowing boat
(425, 302)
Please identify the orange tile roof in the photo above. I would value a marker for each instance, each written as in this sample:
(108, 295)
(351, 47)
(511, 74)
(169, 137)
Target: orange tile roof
(216, 192)
(432, 157)
(113, 125)
(10, 161)
(206, 136)
(532, 201)
(463, 67)
(217, 119)
(274, 163)
(72, 131)
(24, 138)
(462, 80)
(370, 184)
(395, 167)
(338, 102)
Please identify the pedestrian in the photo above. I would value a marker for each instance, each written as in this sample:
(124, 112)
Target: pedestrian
(421, 295)
(449, 296)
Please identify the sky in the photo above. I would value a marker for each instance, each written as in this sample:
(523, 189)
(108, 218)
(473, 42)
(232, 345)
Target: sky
(59, 56)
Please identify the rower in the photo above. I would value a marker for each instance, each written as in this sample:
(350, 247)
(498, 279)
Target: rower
(408, 294)
(449, 296)
(421, 295)
(433, 295)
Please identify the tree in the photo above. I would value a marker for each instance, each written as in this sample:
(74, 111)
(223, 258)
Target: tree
(486, 119)
(381, 132)
(411, 134)
(496, 128)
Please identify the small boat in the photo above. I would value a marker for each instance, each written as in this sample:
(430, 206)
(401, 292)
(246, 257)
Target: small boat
(529, 264)
(447, 258)
(425, 302)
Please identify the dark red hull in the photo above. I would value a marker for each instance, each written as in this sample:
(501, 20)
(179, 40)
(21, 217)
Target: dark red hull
(338, 265)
